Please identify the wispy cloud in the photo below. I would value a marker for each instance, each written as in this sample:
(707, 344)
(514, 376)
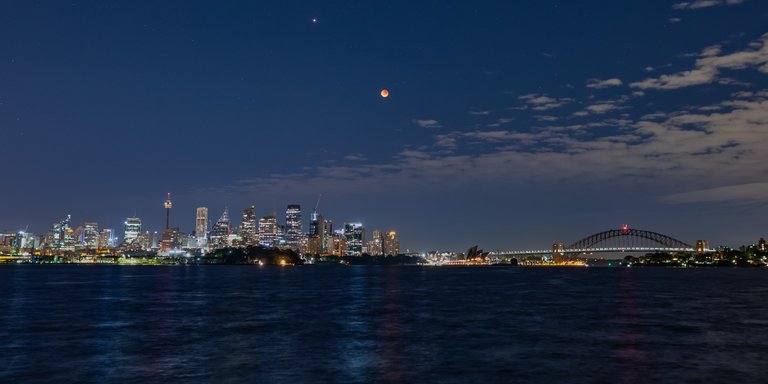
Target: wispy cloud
(723, 147)
(427, 123)
(602, 108)
(501, 121)
(600, 84)
(355, 157)
(704, 3)
(739, 192)
(709, 64)
(542, 102)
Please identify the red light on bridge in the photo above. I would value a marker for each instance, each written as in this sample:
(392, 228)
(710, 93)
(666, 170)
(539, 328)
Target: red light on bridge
(625, 228)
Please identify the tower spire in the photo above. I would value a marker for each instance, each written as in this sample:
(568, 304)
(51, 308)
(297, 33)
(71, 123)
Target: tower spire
(168, 205)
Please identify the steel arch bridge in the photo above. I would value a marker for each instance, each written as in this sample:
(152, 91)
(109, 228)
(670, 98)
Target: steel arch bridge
(628, 237)
(614, 240)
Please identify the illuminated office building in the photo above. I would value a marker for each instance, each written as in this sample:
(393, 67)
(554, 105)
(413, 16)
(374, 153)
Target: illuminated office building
(90, 235)
(27, 240)
(354, 233)
(248, 229)
(220, 232)
(107, 238)
(376, 243)
(391, 244)
(314, 245)
(171, 239)
(293, 233)
(62, 236)
(9, 242)
(337, 245)
(132, 230)
(702, 246)
(327, 235)
(269, 231)
(201, 224)
(313, 223)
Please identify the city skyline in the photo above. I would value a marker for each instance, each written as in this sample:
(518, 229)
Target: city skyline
(505, 125)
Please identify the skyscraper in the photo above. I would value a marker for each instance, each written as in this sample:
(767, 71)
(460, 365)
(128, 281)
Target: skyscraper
(293, 230)
(220, 231)
(326, 234)
(107, 238)
(248, 229)
(269, 231)
(201, 224)
(316, 239)
(91, 235)
(132, 229)
(313, 223)
(144, 241)
(354, 233)
(375, 244)
(391, 245)
(61, 233)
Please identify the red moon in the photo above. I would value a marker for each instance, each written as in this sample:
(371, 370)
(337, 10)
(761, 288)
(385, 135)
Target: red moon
(384, 93)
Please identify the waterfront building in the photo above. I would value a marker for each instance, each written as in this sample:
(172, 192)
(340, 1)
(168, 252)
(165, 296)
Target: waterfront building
(219, 237)
(293, 228)
(9, 242)
(248, 228)
(269, 231)
(354, 233)
(27, 240)
(391, 245)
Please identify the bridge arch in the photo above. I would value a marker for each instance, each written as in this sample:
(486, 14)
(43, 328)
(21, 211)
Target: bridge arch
(592, 241)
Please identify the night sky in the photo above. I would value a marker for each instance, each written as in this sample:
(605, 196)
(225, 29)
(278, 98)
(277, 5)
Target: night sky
(509, 124)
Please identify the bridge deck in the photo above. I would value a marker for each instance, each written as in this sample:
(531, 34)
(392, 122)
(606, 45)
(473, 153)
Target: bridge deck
(597, 250)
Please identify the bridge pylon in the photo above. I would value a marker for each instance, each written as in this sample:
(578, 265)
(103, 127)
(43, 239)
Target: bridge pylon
(558, 253)
(702, 246)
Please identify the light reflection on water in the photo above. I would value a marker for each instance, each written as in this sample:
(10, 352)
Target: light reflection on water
(377, 324)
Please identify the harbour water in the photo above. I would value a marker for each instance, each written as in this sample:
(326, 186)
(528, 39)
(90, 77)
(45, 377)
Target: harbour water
(362, 324)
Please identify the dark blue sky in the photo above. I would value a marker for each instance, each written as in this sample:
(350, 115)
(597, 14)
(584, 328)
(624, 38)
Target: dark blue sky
(509, 124)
